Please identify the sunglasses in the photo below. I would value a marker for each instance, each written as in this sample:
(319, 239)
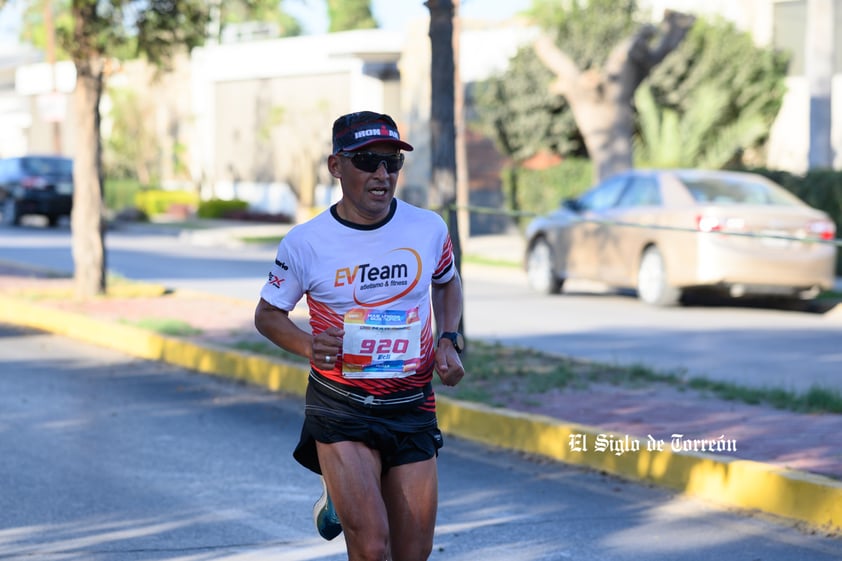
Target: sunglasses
(370, 161)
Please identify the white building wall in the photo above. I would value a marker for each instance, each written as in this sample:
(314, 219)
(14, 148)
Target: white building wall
(46, 104)
(281, 62)
(365, 91)
(15, 121)
(790, 131)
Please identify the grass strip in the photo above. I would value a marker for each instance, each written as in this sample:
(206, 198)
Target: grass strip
(165, 326)
(498, 370)
(268, 349)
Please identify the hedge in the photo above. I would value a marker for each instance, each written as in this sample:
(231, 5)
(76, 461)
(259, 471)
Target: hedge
(218, 208)
(155, 202)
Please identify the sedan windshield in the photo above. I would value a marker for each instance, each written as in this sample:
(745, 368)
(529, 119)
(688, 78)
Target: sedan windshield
(732, 190)
(47, 166)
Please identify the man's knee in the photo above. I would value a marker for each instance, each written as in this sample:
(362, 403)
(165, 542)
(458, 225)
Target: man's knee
(415, 552)
(368, 549)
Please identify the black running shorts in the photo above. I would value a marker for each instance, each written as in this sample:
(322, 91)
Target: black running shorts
(401, 437)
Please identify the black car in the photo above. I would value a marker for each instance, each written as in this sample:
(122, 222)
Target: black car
(41, 185)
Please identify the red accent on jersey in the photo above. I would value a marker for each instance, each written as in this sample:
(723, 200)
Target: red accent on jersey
(339, 267)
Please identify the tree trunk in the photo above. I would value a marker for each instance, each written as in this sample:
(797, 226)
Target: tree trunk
(463, 192)
(607, 125)
(443, 118)
(87, 220)
(514, 187)
(602, 99)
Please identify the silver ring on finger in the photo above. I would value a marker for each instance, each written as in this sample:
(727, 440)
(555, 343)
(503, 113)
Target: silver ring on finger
(327, 358)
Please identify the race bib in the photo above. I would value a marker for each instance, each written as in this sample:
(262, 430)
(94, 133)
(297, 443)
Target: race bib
(381, 343)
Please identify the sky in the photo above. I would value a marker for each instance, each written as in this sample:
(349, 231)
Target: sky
(10, 22)
(393, 15)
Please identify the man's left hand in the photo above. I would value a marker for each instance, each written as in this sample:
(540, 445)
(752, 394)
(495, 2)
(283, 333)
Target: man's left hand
(449, 365)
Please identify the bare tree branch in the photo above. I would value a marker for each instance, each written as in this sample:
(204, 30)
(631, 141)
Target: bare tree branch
(566, 71)
(601, 98)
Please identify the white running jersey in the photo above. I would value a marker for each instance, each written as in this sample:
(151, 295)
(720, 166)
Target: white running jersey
(373, 282)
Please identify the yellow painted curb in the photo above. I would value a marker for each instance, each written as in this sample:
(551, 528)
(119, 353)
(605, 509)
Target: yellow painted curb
(809, 498)
(134, 341)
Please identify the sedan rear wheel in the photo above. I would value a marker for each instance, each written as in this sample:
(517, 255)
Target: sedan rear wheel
(539, 269)
(652, 285)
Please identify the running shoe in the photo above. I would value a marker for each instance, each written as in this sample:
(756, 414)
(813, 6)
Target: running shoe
(324, 515)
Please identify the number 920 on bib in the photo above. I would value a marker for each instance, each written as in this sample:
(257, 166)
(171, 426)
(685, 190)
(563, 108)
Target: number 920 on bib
(381, 343)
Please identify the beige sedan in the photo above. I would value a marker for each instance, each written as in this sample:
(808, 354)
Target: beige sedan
(663, 232)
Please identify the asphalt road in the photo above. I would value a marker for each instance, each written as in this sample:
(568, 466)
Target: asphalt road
(753, 346)
(110, 458)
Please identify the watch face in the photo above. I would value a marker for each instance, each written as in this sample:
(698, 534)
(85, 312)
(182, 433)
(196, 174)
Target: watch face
(460, 342)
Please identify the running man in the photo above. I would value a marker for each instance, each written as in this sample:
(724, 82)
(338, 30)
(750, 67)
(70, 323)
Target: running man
(378, 275)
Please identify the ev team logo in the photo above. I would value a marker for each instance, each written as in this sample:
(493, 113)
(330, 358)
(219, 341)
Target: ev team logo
(384, 280)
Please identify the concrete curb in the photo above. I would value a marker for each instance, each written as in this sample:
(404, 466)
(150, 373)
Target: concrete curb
(811, 499)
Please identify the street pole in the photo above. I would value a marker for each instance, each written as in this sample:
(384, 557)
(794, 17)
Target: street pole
(462, 176)
(819, 70)
(442, 119)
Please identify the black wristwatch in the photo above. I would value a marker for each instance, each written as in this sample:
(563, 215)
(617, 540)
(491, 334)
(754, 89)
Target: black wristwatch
(455, 338)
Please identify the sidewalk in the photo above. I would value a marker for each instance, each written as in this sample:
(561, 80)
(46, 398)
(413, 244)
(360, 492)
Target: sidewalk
(568, 425)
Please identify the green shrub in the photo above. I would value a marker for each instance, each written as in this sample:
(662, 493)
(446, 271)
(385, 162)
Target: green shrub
(155, 202)
(218, 208)
(119, 194)
(540, 191)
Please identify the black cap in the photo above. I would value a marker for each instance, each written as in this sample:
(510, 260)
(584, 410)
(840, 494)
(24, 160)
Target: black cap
(356, 130)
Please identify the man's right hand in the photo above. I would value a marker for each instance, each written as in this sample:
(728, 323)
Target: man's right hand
(327, 347)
